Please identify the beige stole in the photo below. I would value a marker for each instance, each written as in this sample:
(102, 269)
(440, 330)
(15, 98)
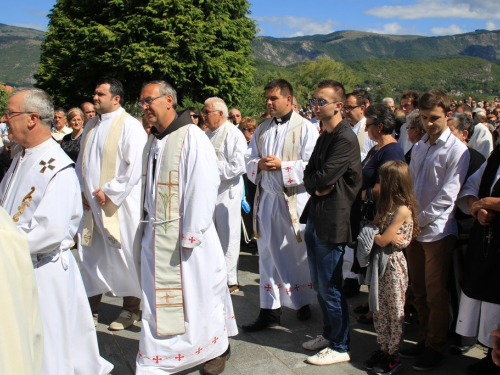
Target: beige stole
(220, 138)
(169, 301)
(291, 149)
(361, 136)
(110, 217)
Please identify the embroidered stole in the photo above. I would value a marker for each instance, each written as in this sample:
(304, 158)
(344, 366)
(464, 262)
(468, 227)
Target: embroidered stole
(169, 301)
(110, 217)
(291, 148)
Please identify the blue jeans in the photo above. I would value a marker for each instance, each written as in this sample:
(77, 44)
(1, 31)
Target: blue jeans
(325, 265)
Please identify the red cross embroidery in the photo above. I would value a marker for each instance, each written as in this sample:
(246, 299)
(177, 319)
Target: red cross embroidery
(288, 169)
(214, 341)
(199, 350)
(267, 287)
(280, 286)
(157, 359)
(192, 239)
(287, 290)
(296, 287)
(179, 357)
(253, 173)
(167, 298)
(290, 180)
(140, 354)
(310, 285)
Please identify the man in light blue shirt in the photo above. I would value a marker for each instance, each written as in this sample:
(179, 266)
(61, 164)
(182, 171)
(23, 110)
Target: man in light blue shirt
(439, 163)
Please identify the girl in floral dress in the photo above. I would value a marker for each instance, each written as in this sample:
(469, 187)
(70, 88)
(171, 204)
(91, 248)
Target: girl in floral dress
(397, 220)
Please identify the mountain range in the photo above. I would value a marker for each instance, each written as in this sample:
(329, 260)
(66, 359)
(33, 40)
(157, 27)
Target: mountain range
(20, 49)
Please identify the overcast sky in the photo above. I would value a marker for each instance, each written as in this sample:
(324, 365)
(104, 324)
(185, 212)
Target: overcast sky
(288, 18)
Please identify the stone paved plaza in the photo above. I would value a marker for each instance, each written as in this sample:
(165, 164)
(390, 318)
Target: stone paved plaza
(275, 351)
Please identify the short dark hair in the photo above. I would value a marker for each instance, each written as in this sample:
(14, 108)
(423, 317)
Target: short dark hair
(434, 98)
(382, 114)
(413, 95)
(284, 86)
(115, 87)
(364, 94)
(466, 108)
(360, 98)
(462, 122)
(61, 109)
(337, 87)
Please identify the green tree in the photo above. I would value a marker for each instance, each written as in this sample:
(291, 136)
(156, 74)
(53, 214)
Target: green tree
(4, 98)
(309, 74)
(202, 47)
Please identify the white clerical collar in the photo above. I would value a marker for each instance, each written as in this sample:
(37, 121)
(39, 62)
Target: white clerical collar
(105, 116)
(28, 151)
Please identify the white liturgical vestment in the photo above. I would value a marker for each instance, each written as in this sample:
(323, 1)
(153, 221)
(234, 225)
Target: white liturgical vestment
(209, 316)
(284, 271)
(21, 339)
(42, 195)
(227, 216)
(107, 269)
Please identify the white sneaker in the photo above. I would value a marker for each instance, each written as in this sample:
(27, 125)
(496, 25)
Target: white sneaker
(316, 344)
(328, 356)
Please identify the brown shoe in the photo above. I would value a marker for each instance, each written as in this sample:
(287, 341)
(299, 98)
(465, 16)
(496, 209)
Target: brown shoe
(233, 288)
(125, 320)
(216, 366)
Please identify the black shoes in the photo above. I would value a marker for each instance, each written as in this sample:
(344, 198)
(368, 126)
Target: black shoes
(388, 365)
(429, 360)
(267, 318)
(304, 313)
(413, 351)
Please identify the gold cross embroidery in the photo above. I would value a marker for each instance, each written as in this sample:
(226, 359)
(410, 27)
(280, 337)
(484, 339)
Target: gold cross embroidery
(24, 203)
(47, 165)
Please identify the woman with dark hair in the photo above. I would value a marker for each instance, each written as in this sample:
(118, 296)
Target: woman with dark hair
(197, 117)
(380, 124)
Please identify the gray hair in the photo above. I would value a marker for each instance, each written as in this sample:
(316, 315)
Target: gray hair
(218, 105)
(388, 100)
(413, 119)
(38, 101)
(463, 121)
(165, 88)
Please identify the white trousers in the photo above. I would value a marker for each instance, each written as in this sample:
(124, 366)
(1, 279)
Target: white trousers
(227, 220)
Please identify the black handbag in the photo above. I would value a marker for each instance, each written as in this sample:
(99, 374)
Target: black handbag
(368, 208)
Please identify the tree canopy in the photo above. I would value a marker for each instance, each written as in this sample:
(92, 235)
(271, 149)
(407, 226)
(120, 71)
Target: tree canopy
(201, 47)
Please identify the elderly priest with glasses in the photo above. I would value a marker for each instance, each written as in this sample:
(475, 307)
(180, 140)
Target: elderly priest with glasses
(42, 195)
(187, 314)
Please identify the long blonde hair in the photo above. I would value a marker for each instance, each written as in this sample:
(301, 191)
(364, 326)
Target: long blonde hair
(396, 186)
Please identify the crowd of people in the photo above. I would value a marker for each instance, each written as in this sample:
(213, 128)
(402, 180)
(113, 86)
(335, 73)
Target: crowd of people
(334, 194)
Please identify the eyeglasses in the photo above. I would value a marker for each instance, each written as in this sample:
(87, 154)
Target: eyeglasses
(8, 114)
(148, 101)
(349, 109)
(319, 102)
(248, 130)
(205, 112)
(194, 115)
(367, 125)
